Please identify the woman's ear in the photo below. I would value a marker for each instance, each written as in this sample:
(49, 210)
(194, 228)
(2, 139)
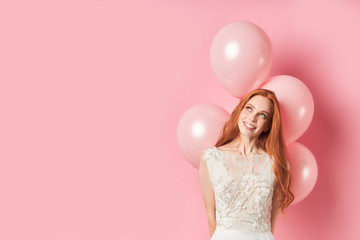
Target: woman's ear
(266, 129)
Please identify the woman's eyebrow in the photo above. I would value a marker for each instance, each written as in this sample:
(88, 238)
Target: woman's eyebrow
(254, 107)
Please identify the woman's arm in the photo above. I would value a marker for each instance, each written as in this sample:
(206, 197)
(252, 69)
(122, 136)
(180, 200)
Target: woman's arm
(207, 193)
(276, 206)
(275, 211)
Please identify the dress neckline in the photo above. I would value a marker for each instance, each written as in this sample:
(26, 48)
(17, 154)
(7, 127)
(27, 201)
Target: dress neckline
(238, 155)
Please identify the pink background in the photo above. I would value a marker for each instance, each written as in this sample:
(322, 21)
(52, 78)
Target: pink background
(91, 93)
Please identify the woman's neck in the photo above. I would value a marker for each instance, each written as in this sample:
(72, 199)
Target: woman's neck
(246, 146)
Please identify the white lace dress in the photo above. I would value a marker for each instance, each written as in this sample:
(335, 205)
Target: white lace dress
(243, 187)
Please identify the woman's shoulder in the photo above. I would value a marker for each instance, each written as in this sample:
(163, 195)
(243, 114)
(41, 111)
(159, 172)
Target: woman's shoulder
(208, 151)
(229, 147)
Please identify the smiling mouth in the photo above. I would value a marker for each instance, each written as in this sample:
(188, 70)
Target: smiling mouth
(249, 126)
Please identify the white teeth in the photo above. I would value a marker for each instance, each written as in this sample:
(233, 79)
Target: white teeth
(249, 126)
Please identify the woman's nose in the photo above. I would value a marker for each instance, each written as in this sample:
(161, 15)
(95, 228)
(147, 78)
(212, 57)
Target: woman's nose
(252, 117)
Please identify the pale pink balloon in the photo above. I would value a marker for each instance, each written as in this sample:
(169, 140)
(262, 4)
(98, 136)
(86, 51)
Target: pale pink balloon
(199, 128)
(241, 56)
(303, 169)
(296, 105)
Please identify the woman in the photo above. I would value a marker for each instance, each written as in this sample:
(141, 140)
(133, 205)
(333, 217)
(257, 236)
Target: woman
(245, 179)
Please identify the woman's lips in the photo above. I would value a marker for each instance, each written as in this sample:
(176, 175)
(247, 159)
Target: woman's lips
(248, 127)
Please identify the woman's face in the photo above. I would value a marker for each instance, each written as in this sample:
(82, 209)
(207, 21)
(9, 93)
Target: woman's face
(256, 116)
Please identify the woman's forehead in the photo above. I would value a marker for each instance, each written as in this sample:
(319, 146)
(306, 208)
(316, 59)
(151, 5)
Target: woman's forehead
(261, 103)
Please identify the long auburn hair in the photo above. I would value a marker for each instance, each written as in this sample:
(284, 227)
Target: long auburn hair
(270, 141)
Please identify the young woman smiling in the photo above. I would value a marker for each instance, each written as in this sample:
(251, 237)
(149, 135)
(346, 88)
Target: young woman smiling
(245, 178)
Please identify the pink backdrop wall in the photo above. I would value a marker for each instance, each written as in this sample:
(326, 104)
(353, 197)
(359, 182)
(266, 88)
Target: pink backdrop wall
(91, 93)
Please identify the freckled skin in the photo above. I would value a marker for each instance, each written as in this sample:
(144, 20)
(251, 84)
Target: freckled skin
(253, 113)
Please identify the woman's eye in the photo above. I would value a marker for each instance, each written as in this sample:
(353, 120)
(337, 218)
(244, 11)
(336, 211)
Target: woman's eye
(248, 108)
(263, 115)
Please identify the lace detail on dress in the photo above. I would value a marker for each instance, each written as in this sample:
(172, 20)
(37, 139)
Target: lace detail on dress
(243, 187)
